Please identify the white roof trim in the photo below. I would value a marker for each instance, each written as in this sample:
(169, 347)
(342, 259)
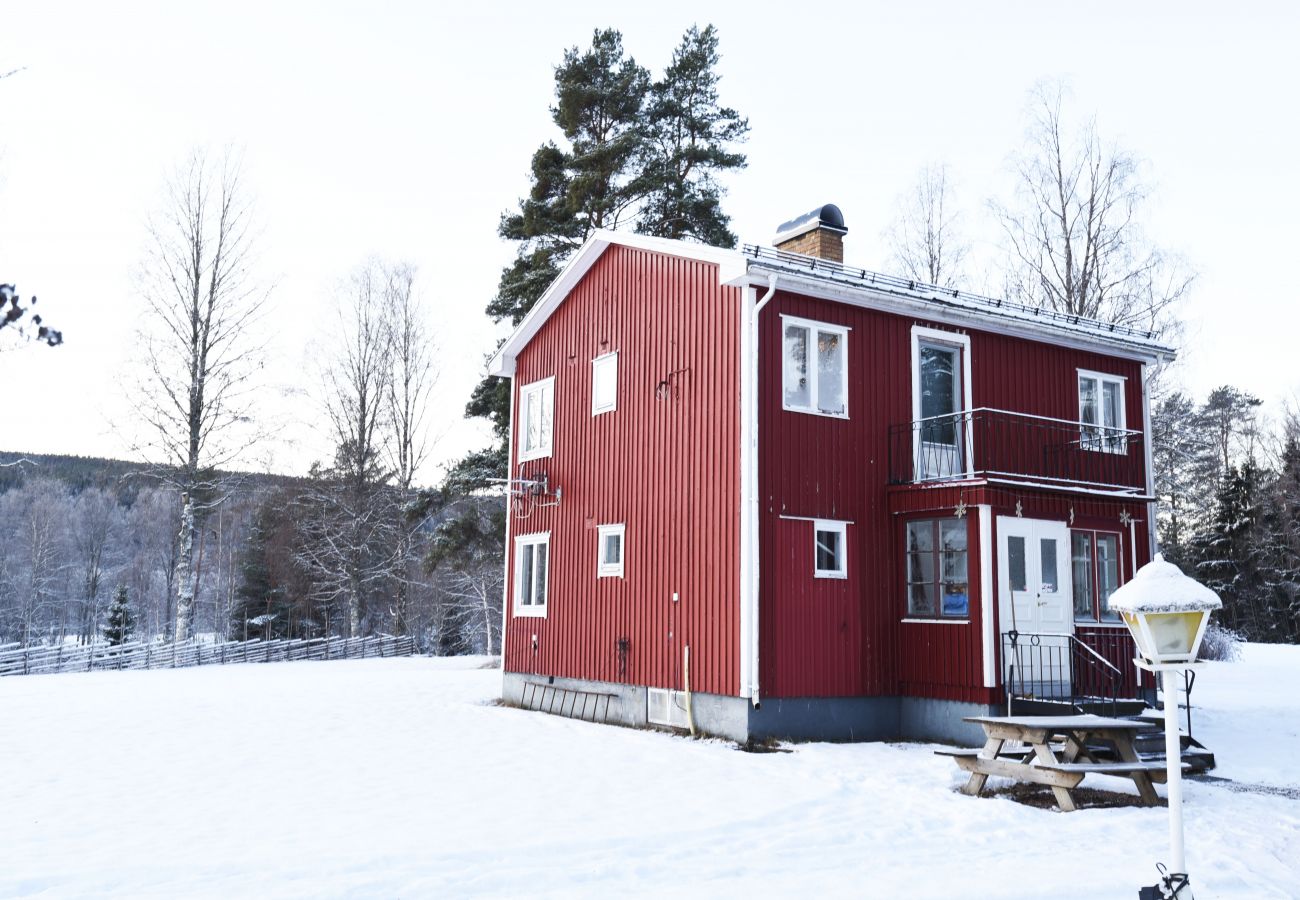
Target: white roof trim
(731, 268)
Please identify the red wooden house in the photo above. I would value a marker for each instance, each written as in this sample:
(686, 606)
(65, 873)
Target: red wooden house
(825, 502)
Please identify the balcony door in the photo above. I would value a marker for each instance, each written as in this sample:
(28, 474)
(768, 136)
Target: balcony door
(1034, 594)
(940, 396)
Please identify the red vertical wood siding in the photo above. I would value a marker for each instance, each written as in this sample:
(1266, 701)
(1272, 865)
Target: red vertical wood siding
(820, 637)
(665, 463)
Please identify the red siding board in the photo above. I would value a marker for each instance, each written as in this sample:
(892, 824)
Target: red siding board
(665, 463)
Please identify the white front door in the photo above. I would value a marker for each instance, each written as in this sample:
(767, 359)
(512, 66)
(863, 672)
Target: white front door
(1034, 597)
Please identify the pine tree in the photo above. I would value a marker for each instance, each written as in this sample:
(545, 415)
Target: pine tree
(691, 137)
(1279, 536)
(637, 153)
(120, 624)
(1228, 555)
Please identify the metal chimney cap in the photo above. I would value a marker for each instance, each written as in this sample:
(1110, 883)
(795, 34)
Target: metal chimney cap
(828, 217)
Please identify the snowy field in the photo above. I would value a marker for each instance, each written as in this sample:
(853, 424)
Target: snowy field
(396, 778)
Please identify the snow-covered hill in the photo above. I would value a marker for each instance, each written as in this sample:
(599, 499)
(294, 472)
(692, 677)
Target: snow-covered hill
(397, 778)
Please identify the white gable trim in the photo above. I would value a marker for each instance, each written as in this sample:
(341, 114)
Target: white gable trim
(731, 267)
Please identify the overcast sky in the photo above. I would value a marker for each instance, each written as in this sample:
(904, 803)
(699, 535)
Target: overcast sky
(403, 131)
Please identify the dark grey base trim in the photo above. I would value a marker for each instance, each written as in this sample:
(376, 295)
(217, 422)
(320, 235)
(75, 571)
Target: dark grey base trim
(785, 718)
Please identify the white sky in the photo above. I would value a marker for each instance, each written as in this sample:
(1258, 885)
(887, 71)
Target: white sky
(403, 130)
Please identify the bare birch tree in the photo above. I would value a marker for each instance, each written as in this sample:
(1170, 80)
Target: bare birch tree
(200, 350)
(925, 239)
(411, 380)
(1074, 232)
(348, 545)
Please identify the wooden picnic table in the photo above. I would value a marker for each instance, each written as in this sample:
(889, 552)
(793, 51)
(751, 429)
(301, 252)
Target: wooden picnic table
(1054, 750)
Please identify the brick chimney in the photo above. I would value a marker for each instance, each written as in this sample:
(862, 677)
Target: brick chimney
(819, 233)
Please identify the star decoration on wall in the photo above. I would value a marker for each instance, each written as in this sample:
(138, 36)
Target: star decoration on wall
(1125, 519)
(1020, 510)
(1071, 515)
(960, 511)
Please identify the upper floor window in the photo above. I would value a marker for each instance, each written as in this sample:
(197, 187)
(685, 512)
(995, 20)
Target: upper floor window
(532, 558)
(814, 371)
(1094, 569)
(536, 419)
(604, 383)
(1101, 412)
(830, 551)
(610, 559)
(937, 584)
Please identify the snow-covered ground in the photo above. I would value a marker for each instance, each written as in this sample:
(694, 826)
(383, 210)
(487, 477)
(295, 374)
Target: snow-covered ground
(397, 778)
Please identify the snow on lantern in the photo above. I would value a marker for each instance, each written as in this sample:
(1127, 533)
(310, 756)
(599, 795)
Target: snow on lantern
(1166, 612)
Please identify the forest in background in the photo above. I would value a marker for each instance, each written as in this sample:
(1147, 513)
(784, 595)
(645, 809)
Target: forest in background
(74, 529)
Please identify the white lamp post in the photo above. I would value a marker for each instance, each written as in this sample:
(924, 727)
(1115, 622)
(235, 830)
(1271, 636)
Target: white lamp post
(1167, 612)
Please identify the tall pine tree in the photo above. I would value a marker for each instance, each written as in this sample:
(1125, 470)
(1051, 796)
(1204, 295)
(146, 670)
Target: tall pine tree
(634, 154)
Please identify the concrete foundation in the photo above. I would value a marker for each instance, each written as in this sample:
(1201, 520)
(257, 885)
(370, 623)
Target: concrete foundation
(784, 718)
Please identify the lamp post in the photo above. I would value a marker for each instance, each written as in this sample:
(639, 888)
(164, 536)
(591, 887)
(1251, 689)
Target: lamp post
(1166, 612)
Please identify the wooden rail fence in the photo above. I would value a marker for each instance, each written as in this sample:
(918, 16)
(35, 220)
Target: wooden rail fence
(158, 655)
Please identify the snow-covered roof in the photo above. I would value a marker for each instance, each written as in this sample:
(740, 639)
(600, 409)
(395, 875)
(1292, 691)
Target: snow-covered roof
(835, 281)
(1161, 586)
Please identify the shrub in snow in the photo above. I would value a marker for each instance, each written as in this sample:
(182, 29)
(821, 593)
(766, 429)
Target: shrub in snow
(1220, 643)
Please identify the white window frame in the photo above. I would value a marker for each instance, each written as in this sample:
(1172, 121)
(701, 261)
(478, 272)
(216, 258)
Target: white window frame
(605, 361)
(1100, 442)
(547, 388)
(842, 529)
(813, 326)
(922, 334)
(604, 568)
(533, 610)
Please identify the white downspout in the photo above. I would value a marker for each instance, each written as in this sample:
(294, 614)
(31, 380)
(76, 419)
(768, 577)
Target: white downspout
(752, 488)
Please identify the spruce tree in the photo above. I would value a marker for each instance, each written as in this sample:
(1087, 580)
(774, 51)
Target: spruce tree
(120, 624)
(1229, 558)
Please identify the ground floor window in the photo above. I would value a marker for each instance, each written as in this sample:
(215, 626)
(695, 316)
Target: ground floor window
(937, 584)
(1095, 570)
(829, 549)
(532, 557)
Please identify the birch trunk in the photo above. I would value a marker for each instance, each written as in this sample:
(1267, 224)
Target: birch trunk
(184, 579)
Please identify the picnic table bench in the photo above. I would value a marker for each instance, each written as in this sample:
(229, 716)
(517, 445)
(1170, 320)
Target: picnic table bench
(1055, 751)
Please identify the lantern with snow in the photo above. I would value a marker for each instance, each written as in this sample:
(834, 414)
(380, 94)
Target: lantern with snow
(1166, 612)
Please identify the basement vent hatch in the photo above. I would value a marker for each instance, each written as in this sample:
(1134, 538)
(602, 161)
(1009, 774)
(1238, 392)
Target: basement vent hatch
(666, 708)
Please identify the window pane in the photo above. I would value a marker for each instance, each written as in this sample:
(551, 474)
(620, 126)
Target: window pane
(539, 590)
(1107, 570)
(1081, 573)
(920, 536)
(939, 393)
(920, 567)
(547, 402)
(1088, 400)
(532, 420)
(954, 567)
(526, 574)
(830, 372)
(828, 551)
(1047, 555)
(604, 373)
(613, 550)
(1110, 404)
(956, 600)
(952, 534)
(920, 599)
(1016, 562)
(797, 393)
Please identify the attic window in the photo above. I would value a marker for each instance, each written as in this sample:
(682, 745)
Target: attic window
(536, 419)
(604, 384)
(814, 369)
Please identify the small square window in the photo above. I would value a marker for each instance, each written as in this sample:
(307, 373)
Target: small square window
(536, 419)
(610, 560)
(604, 384)
(830, 549)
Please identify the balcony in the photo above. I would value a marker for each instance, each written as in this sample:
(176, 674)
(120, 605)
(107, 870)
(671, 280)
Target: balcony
(998, 445)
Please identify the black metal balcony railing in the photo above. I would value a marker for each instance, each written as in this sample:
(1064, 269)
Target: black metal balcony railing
(982, 443)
